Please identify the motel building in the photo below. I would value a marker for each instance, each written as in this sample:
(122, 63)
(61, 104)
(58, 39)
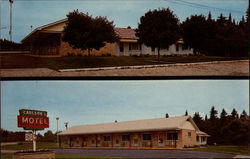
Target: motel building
(173, 132)
(47, 41)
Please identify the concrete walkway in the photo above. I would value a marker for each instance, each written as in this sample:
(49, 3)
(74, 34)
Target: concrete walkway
(218, 68)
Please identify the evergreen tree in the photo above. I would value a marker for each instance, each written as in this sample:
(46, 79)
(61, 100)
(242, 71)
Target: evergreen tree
(244, 115)
(213, 113)
(234, 114)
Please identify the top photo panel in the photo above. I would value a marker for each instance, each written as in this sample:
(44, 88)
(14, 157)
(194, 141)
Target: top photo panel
(138, 38)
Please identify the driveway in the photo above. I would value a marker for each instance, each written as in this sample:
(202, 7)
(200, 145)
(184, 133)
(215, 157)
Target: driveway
(145, 153)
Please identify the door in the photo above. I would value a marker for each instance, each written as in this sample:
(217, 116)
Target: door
(161, 138)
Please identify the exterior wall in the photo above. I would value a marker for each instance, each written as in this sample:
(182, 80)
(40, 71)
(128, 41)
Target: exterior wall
(202, 140)
(170, 51)
(148, 51)
(188, 141)
(158, 140)
(108, 49)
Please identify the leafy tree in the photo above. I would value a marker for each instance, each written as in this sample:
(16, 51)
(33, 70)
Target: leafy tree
(49, 136)
(158, 29)
(84, 32)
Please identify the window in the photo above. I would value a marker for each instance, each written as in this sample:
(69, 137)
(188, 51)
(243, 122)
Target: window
(189, 134)
(125, 137)
(121, 47)
(85, 138)
(172, 136)
(197, 138)
(106, 138)
(146, 137)
(177, 47)
(185, 47)
(152, 49)
(133, 46)
(116, 141)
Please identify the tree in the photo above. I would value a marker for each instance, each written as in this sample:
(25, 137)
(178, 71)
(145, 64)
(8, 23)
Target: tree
(49, 136)
(158, 29)
(243, 115)
(198, 120)
(196, 32)
(167, 116)
(234, 114)
(186, 113)
(84, 32)
(213, 113)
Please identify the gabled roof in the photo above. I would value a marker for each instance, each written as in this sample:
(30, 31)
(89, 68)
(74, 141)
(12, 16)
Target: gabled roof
(126, 33)
(45, 26)
(171, 123)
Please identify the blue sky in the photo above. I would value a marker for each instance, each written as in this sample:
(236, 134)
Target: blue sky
(89, 102)
(123, 12)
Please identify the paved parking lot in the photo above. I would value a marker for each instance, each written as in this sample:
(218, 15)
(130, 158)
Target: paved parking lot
(145, 153)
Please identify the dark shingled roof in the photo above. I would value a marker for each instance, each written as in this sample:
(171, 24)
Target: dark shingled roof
(126, 33)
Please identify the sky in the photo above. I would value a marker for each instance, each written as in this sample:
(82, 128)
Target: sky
(91, 102)
(122, 12)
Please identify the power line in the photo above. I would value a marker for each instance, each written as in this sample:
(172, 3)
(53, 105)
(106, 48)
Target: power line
(201, 6)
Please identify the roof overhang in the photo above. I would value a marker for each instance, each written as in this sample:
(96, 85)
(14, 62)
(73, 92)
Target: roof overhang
(129, 40)
(112, 132)
(41, 29)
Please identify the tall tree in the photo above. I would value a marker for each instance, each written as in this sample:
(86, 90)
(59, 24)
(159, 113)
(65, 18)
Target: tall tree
(196, 32)
(158, 29)
(213, 113)
(243, 115)
(234, 114)
(87, 33)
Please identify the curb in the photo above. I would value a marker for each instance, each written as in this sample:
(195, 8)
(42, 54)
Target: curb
(146, 66)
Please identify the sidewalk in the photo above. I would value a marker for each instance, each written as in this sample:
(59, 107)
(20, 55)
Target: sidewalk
(216, 68)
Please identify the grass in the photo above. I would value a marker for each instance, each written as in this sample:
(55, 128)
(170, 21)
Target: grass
(25, 61)
(29, 145)
(230, 149)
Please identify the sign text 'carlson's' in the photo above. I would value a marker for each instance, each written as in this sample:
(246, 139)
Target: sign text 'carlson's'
(32, 121)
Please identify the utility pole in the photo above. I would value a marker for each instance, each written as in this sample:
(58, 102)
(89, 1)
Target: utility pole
(57, 118)
(10, 32)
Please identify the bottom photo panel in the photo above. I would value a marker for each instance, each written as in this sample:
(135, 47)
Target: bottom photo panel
(125, 119)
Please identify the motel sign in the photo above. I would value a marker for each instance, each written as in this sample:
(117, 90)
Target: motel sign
(32, 119)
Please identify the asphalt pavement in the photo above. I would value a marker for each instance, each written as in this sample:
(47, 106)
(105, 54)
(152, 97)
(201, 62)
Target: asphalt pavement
(144, 153)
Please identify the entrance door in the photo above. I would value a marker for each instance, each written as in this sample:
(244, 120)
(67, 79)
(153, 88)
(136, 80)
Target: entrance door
(161, 138)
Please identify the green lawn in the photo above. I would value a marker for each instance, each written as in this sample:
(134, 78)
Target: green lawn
(29, 145)
(236, 150)
(25, 61)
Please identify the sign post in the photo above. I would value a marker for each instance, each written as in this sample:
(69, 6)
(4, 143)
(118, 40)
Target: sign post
(32, 120)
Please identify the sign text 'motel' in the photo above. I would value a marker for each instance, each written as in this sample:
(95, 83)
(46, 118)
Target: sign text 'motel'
(32, 119)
